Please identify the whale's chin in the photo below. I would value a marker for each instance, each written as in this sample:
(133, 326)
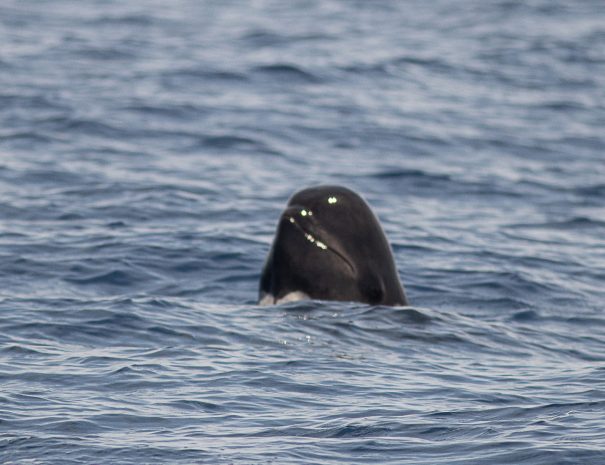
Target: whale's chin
(295, 296)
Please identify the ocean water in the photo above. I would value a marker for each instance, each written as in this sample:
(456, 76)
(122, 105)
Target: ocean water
(146, 151)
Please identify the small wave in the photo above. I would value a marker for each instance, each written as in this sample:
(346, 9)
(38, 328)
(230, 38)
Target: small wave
(35, 102)
(166, 110)
(592, 190)
(230, 142)
(73, 427)
(534, 316)
(562, 105)
(353, 430)
(27, 136)
(398, 315)
(62, 124)
(386, 327)
(291, 73)
(395, 67)
(578, 222)
(122, 278)
(50, 176)
(264, 38)
(431, 63)
(526, 315)
(178, 77)
(93, 53)
(196, 406)
(410, 173)
(127, 19)
(19, 350)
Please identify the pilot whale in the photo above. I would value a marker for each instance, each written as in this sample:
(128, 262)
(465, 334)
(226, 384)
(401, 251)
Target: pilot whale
(329, 245)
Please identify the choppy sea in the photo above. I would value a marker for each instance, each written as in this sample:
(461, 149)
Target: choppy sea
(146, 151)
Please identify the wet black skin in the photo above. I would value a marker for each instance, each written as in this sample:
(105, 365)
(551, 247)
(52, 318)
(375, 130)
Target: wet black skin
(331, 246)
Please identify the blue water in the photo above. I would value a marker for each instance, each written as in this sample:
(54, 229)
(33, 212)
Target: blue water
(146, 151)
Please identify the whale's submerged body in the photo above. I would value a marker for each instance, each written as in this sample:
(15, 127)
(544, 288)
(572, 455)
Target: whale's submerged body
(329, 245)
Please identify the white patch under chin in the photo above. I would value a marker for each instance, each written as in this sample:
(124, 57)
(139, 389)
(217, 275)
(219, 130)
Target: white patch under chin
(293, 297)
(266, 299)
(269, 299)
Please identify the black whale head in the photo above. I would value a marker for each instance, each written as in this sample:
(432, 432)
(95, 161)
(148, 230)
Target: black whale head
(330, 246)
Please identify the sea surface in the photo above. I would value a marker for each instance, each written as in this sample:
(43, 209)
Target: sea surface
(146, 151)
